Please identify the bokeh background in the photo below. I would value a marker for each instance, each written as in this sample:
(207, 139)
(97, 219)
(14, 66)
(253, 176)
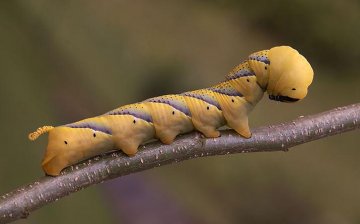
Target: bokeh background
(62, 61)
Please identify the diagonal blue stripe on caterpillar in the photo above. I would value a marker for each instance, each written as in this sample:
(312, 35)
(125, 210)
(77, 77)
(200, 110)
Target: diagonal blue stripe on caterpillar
(204, 98)
(138, 113)
(175, 103)
(90, 125)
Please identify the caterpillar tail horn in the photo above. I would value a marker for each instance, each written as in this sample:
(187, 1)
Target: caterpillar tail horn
(42, 130)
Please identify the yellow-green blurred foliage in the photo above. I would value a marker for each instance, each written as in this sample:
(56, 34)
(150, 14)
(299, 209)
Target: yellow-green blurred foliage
(61, 61)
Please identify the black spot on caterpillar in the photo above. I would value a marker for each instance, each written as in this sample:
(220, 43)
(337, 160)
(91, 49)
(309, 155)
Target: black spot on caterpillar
(281, 71)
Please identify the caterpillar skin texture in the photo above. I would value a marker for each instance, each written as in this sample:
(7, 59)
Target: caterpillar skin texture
(281, 71)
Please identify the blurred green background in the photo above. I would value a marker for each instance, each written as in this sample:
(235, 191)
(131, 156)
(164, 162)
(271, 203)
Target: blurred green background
(62, 61)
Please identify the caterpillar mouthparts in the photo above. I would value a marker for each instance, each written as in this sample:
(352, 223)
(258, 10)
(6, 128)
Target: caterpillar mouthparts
(283, 98)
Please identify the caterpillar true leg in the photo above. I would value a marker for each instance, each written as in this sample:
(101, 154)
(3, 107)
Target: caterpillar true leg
(241, 126)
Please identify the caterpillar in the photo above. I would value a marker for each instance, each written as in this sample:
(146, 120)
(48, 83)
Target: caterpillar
(281, 72)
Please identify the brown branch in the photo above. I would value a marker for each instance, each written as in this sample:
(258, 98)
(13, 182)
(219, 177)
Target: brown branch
(20, 202)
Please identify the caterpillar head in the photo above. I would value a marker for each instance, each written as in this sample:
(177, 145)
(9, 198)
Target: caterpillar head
(68, 145)
(283, 73)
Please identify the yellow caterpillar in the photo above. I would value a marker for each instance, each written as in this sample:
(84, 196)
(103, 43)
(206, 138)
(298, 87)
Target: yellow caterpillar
(281, 71)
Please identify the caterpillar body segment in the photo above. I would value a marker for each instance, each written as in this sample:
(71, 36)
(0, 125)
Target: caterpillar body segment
(171, 117)
(67, 146)
(249, 88)
(206, 114)
(235, 110)
(281, 72)
(131, 125)
(260, 63)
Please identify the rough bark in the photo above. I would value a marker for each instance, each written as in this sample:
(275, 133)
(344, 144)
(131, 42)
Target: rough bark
(20, 202)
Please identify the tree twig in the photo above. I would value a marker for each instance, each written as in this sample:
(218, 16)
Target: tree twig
(20, 202)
